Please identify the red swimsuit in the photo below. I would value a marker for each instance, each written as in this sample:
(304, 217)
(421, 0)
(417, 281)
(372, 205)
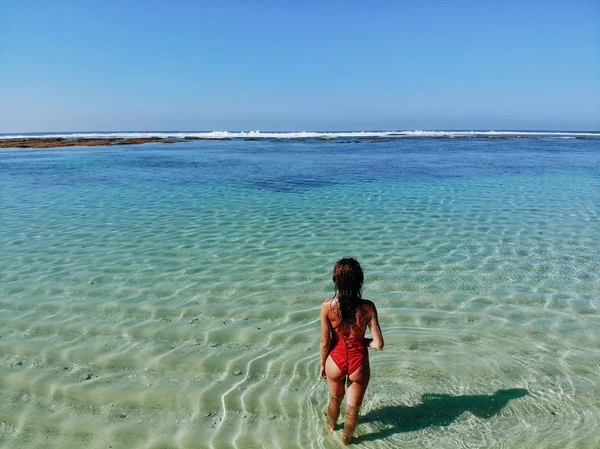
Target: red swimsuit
(348, 353)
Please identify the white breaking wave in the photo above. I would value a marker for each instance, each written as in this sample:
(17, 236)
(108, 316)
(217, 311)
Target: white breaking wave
(296, 135)
(206, 135)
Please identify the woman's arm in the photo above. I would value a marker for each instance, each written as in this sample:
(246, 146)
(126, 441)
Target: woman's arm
(377, 341)
(325, 337)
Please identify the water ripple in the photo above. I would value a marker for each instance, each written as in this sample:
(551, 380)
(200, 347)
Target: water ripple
(147, 308)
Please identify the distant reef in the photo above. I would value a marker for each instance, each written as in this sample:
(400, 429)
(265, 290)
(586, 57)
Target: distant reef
(54, 142)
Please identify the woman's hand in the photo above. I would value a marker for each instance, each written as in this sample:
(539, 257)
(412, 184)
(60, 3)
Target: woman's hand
(323, 375)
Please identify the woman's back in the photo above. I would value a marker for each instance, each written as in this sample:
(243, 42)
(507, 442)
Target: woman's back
(356, 329)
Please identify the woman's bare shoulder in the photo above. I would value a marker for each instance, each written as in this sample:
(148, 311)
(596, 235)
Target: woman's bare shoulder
(368, 303)
(369, 306)
(328, 303)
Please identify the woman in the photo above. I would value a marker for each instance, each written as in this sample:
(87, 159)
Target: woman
(344, 354)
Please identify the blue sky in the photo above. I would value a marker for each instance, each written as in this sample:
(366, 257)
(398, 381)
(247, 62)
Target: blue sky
(299, 65)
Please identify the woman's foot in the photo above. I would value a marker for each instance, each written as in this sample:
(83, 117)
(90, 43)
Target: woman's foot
(330, 426)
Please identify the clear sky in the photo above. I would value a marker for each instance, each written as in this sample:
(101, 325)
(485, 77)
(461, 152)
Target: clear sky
(78, 65)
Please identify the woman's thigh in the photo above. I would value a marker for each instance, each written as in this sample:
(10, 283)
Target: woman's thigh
(357, 384)
(335, 378)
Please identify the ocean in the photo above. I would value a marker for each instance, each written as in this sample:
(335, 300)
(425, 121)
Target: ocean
(167, 296)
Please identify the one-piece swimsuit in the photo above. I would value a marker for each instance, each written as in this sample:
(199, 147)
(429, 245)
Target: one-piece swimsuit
(348, 353)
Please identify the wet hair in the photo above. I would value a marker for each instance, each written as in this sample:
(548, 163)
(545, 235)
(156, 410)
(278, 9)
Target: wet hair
(348, 279)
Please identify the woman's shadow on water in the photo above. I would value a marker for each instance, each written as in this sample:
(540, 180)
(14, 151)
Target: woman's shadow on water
(436, 410)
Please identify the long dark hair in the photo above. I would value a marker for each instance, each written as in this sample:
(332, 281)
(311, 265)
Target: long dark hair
(348, 279)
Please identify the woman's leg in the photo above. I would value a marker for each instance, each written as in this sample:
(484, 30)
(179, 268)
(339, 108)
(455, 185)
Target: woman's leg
(335, 380)
(357, 386)
(333, 413)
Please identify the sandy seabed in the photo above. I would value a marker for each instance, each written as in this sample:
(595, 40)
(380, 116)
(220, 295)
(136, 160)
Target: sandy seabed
(169, 297)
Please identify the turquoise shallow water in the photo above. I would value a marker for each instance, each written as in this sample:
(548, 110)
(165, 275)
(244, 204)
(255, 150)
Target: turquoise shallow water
(167, 296)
